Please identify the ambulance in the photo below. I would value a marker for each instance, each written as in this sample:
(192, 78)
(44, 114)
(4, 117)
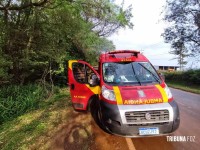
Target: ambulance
(126, 95)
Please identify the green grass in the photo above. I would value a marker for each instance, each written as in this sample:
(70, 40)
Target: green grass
(16, 100)
(184, 86)
(33, 129)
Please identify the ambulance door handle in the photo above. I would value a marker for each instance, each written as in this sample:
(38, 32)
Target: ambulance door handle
(72, 86)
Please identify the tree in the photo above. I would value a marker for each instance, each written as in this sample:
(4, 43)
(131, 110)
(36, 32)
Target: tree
(184, 25)
(179, 49)
(105, 17)
(180, 52)
(38, 36)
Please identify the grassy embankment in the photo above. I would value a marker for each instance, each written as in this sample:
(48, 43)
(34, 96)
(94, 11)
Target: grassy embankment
(184, 86)
(34, 120)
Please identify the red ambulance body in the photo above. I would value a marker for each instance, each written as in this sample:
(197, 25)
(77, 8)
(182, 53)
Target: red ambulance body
(126, 96)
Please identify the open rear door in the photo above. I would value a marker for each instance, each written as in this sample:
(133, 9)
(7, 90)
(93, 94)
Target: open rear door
(79, 74)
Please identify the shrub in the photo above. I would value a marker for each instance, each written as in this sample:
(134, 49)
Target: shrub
(189, 76)
(17, 100)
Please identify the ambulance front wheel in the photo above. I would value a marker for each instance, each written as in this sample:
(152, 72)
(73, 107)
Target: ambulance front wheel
(96, 115)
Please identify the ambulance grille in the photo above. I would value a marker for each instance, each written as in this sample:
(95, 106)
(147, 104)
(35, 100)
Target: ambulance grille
(140, 116)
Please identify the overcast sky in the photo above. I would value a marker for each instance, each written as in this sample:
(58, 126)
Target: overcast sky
(146, 33)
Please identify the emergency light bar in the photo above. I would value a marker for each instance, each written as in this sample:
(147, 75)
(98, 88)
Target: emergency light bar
(134, 52)
(124, 51)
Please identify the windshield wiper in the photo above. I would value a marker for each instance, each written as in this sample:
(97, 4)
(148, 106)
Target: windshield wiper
(155, 77)
(136, 75)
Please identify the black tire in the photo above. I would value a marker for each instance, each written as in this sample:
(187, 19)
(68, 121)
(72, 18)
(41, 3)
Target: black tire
(96, 115)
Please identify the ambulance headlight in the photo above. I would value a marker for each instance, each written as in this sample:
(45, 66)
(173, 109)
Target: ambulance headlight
(108, 94)
(168, 92)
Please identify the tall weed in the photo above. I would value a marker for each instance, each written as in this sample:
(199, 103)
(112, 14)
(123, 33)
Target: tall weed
(16, 100)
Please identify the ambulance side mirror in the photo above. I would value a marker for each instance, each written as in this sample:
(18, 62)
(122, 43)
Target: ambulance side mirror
(162, 76)
(94, 80)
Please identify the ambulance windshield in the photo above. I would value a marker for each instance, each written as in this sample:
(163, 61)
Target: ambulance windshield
(130, 73)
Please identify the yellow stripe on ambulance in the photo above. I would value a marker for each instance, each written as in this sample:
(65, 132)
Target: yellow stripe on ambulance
(163, 93)
(118, 95)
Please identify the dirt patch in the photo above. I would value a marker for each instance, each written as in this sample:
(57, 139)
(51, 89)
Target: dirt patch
(73, 135)
(82, 133)
(104, 141)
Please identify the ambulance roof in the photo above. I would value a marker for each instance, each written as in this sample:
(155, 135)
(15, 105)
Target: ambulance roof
(122, 56)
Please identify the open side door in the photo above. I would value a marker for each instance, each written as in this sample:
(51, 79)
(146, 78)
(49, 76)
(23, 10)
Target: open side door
(79, 75)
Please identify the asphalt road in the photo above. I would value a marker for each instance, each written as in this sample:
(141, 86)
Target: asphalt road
(189, 106)
(83, 133)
